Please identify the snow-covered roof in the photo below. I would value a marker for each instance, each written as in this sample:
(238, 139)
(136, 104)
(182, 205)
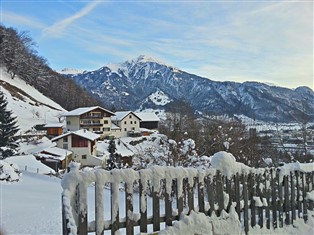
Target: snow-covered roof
(114, 127)
(120, 115)
(82, 133)
(148, 117)
(62, 153)
(54, 125)
(80, 111)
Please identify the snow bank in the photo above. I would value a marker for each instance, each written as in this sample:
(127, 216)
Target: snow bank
(8, 172)
(199, 223)
(227, 165)
(29, 163)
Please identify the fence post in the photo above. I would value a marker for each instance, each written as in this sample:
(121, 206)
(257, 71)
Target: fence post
(143, 207)
(252, 188)
(99, 207)
(293, 202)
(210, 193)
(65, 221)
(299, 205)
(237, 194)
(260, 194)
(180, 189)
(220, 193)
(287, 200)
(267, 195)
(304, 197)
(114, 207)
(310, 188)
(156, 211)
(168, 202)
(200, 195)
(82, 209)
(246, 207)
(190, 187)
(129, 208)
(280, 201)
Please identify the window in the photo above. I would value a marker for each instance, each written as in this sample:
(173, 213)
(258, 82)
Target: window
(68, 122)
(133, 128)
(131, 122)
(125, 122)
(106, 122)
(125, 129)
(84, 156)
(106, 129)
(96, 129)
(134, 122)
(65, 139)
(130, 116)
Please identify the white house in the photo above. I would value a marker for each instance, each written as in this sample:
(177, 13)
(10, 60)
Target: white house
(83, 145)
(128, 123)
(95, 119)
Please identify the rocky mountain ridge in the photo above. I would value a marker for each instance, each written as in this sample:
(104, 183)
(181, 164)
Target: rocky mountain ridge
(132, 84)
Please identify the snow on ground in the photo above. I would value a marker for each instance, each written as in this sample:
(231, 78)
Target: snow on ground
(29, 163)
(31, 206)
(29, 111)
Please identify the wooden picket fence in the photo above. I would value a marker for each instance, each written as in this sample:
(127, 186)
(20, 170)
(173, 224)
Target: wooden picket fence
(268, 199)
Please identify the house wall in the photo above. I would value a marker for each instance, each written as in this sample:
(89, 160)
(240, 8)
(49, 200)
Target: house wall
(55, 131)
(97, 121)
(80, 154)
(73, 123)
(129, 123)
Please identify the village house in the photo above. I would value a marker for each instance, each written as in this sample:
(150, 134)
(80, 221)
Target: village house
(148, 120)
(54, 157)
(128, 123)
(94, 119)
(83, 145)
(54, 129)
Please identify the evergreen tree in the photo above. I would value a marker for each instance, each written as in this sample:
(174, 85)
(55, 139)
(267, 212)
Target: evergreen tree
(114, 158)
(8, 128)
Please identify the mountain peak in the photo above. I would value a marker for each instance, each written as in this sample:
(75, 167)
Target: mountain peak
(145, 59)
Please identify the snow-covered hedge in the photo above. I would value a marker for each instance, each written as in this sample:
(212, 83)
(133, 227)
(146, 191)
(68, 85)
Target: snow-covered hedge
(8, 172)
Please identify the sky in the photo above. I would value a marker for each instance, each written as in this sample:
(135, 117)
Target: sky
(263, 41)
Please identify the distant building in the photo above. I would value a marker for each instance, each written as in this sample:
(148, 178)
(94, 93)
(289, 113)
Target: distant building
(128, 123)
(54, 129)
(148, 120)
(94, 119)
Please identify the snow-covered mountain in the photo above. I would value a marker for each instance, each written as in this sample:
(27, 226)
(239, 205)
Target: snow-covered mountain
(29, 105)
(146, 83)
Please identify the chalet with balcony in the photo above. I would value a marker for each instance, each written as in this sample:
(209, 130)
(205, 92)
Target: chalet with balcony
(128, 123)
(94, 119)
(82, 144)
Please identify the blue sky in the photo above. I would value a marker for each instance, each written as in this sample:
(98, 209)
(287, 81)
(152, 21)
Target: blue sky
(264, 41)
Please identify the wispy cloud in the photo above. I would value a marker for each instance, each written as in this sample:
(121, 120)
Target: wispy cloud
(14, 19)
(57, 29)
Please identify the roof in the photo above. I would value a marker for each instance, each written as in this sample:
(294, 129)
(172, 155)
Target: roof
(114, 127)
(57, 151)
(54, 152)
(120, 115)
(80, 111)
(82, 133)
(148, 117)
(53, 125)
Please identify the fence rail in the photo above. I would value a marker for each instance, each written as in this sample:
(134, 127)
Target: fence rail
(266, 198)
